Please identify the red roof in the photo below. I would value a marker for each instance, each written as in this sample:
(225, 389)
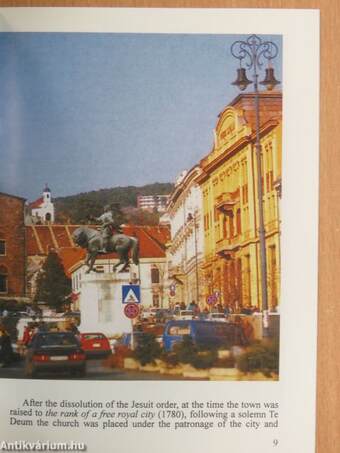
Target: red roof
(37, 203)
(42, 238)
(70, 256)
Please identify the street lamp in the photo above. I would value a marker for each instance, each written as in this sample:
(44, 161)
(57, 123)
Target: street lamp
(190, 218)
(253, 52)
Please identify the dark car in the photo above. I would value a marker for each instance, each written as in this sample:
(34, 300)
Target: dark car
(55, 352)
(95, 345)
(203, 333)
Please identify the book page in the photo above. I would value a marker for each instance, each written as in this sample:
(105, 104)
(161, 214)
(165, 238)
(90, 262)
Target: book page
(158, 230)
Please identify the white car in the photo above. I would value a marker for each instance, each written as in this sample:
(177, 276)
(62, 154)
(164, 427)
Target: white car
(217, 317)
(185, 314)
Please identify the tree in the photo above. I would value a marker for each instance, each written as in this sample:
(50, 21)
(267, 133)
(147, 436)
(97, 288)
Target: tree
(52, 283)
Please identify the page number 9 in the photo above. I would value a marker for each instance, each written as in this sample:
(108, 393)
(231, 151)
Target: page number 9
(275, 442)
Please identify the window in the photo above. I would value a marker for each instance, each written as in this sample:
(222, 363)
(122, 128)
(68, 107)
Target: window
(2, 247)
(154, 275)
(3, 279)
(238, 222)
(155, 300)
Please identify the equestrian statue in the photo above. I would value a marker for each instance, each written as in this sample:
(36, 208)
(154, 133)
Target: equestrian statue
(108, 239)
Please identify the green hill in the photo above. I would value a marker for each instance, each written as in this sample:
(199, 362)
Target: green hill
(79, 208)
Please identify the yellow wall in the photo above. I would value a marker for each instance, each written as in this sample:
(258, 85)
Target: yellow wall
(236, 178)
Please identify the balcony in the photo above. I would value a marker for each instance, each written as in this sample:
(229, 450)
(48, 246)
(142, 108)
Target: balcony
(176, 271)
(226, 248)
(227, 200)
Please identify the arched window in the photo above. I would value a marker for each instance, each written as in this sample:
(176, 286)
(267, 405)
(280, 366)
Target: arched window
(3, 279)
(48, 217)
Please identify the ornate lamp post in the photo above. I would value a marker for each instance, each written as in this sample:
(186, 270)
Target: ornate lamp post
(252, 53)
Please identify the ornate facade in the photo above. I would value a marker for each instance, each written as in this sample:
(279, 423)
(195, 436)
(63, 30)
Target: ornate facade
(230, 203)
(185, 254)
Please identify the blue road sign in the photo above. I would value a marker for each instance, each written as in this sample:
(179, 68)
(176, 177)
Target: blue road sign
(131, 294)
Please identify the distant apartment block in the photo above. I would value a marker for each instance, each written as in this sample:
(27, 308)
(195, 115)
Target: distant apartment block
(152, 202)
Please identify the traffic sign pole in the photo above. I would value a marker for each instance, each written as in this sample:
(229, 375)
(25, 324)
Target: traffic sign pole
(132, 337)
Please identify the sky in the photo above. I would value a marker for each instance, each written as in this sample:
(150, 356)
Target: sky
(83, 112)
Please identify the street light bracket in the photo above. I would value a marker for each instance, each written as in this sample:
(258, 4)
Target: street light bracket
(253, 51)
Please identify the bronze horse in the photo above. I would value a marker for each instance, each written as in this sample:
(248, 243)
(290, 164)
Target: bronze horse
(91, 240)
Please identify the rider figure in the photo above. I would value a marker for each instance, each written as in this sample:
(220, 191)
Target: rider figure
(109, 220)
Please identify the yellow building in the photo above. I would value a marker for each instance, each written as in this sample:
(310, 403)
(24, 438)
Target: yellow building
(230, 203)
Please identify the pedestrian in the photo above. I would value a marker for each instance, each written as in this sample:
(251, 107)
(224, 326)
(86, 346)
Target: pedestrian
(191, 306)
(219, 308)
(6, 351)
(27, 335)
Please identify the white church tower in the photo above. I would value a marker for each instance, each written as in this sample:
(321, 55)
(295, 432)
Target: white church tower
(43, 208)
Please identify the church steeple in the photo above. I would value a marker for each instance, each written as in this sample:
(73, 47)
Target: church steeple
(47, 194)
(43, 207)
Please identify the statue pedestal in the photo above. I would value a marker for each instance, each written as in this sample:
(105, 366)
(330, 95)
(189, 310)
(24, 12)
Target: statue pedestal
(101, 304)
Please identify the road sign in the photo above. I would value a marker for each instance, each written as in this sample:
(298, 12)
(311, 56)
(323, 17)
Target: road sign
(211, 299)
(173, 287)
(131, 294)
(131, 311)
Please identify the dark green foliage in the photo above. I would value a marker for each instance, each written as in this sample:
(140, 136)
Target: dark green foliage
(80, 208)
(227, 362)
(262, 357)
(52, 284)
(142, 217)
(170, 358)
(10, 325)
(188, 352)
(148, 349)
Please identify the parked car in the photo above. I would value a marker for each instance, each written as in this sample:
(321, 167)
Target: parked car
(95, 345)
(217, 317)
(203, 333)
(53, 352)
(185, 314)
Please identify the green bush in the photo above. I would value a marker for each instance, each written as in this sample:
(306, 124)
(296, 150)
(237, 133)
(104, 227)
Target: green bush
(147, 349)
(170, 358)
(188, 352)
(227, 362)
(262, 357)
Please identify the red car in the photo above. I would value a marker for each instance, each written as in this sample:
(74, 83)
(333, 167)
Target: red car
(95, 345)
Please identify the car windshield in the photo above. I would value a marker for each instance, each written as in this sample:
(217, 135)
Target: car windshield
(93, 336)
(51, 340)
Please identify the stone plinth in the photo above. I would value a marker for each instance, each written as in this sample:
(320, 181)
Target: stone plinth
(101, 305)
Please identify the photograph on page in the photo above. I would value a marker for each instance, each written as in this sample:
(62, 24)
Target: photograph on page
(149, 226)
(152, 251)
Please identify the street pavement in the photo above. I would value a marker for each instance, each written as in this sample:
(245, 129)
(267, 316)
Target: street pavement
(95, 371)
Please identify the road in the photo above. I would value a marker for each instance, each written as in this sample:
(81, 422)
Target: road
(95, 371)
